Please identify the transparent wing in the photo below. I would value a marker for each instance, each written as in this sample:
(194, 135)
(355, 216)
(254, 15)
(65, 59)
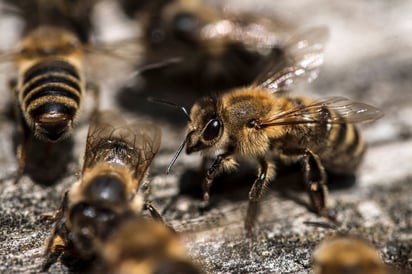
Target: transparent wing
(120, 59)
(108, 131)
(7, 56)
(147, 142)
(343, 111)
(304, 57)
(127, 50)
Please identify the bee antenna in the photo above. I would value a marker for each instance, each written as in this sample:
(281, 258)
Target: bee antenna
(158, 65)
(179, 150)
(163, 102)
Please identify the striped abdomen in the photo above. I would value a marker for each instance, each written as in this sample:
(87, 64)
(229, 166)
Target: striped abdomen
(344, 147)
(50, 96)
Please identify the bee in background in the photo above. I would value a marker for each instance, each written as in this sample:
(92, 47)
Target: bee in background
(52, 61)
(116, 161)
(49, 88)
(263, 123)
(341, 255)
(140, 245)
(72, 15)
(220, 49)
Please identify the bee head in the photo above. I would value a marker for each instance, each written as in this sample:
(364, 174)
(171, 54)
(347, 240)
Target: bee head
(206, 127)
(204, 130)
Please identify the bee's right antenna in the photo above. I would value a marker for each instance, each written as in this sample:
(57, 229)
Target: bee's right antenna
(159, 101)
(179, 150)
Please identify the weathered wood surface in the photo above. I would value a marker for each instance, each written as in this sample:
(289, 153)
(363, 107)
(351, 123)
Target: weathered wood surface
(368, 58)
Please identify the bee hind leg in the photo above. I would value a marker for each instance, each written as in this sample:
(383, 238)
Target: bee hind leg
(315, 181)
(266, 173)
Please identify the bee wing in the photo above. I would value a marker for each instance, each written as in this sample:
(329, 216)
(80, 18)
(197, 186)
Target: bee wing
(101, 129)
(119, 59)
(147, 142)
(126, 50)
(141, 138)
(304, 57)
(345, 111)
(7, 56)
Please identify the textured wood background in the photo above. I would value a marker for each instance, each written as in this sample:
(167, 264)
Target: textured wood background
(368, 58)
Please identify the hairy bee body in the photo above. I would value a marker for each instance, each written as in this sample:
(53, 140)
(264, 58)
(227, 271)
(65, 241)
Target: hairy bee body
(117, 158)
(100, 225)
(347, 254)
(50, 83)
(220, 48)
(141, 245)
(243, 110)
(262, 122)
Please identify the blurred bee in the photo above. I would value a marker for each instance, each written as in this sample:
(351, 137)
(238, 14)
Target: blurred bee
(348, 254)
(140, 245)
(220, 49)
(73, 15)
(261, 122)
(116, 161)
(51, 67)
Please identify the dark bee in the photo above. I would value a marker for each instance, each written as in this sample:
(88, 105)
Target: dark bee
(348, 254)
(72, 15)
(116, 161)
(51, 82)
(261, 122)
(50, 86)
(219, 49)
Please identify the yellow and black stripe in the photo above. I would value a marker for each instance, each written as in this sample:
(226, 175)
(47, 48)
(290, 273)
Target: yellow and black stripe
(50, 97)
(344, 147)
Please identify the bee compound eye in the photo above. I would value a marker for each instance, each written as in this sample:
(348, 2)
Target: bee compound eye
(212, 129)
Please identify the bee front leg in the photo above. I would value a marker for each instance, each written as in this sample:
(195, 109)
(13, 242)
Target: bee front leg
(266, 173)
(315, 181)
(222, 161)
(57, 242)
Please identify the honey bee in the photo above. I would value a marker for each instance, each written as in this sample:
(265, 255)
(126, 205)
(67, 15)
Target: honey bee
(49, 87)
(262, 122)
(51, 82)
(116, 161)
(220, 48)
(347, 255)
(141, 245)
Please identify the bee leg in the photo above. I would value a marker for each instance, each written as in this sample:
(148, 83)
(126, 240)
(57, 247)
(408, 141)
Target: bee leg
(266, 173)
(315, 180)
(221, 160)
(55, 244)
(54, 253)
(153, 211)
